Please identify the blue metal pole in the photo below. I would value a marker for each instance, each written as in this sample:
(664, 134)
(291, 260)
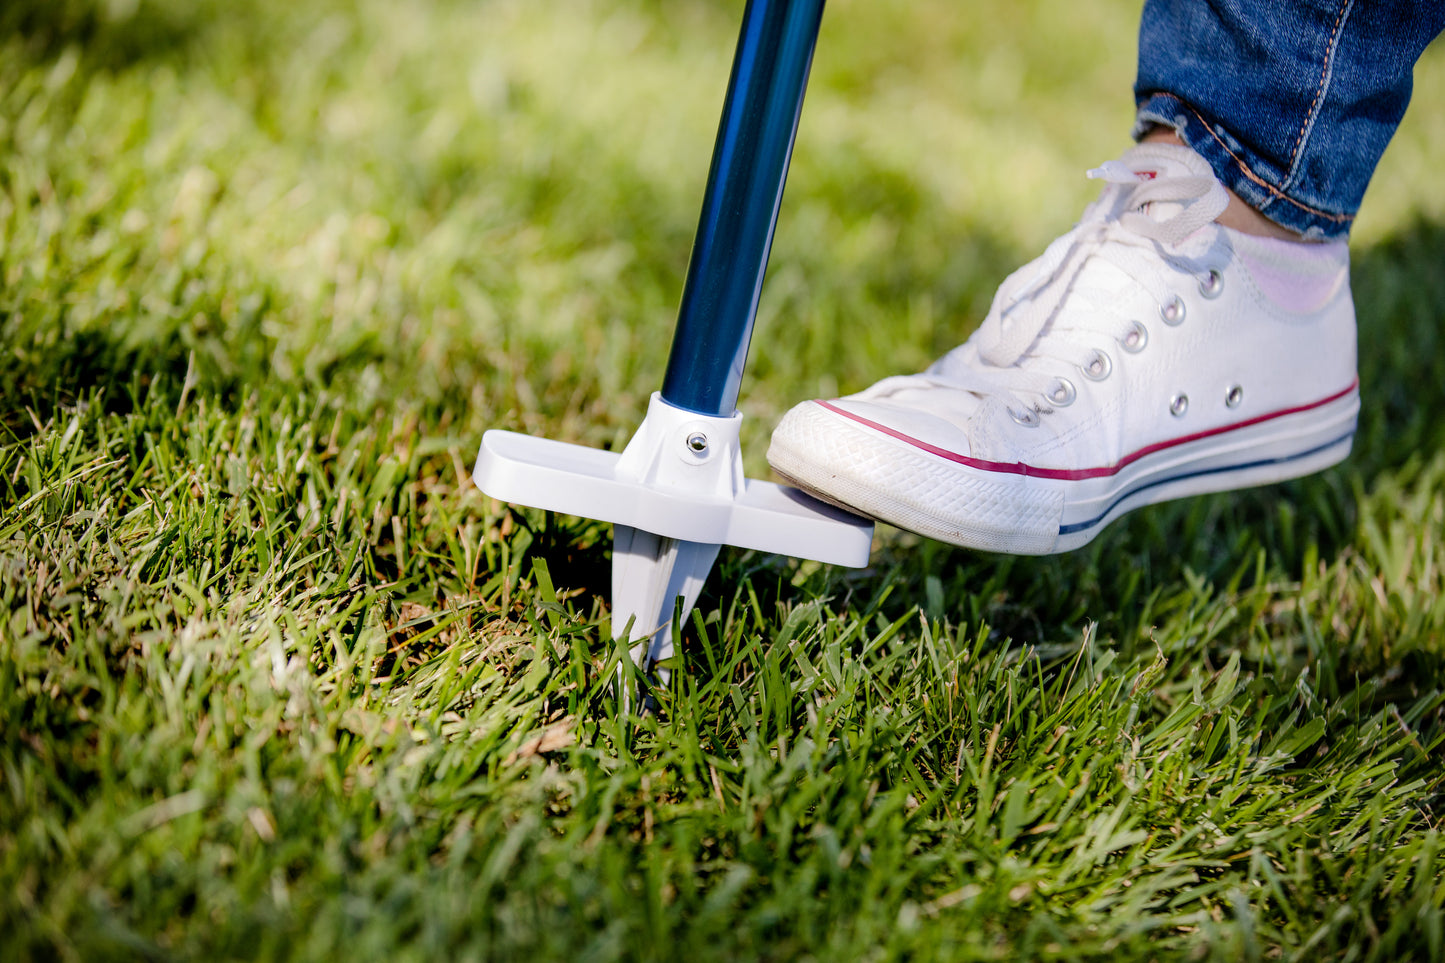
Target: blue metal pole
(740, 206)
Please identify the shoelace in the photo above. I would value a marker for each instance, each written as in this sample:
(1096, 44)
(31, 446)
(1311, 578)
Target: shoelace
(1116, 228)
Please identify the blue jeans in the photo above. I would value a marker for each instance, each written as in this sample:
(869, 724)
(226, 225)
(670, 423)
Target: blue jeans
(1292, 102)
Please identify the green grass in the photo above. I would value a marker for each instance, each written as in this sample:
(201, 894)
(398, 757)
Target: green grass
(276, 682)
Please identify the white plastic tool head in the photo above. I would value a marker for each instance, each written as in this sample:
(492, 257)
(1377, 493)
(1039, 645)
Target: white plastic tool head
(656, 488)
(675, 494)
(696, 455)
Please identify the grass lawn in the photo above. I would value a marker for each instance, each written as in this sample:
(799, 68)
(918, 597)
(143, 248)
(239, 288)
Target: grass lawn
(277, 682)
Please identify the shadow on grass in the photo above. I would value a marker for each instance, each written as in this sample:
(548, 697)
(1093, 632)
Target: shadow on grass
(1400, 299)
(112, 36)
(53, 365)
(80, 365)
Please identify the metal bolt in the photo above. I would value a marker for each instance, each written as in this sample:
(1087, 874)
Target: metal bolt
(697, 441)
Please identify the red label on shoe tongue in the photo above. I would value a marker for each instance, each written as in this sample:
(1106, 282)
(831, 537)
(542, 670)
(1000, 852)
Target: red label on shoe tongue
(1147, 175)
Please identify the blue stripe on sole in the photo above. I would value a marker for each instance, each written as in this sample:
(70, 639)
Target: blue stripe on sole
(1081, 526)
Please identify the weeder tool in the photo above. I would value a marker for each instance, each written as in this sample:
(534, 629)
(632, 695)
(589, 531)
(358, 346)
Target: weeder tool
(677, 493)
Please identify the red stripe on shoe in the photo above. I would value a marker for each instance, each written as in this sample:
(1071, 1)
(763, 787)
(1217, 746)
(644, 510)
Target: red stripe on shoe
(1077, 474)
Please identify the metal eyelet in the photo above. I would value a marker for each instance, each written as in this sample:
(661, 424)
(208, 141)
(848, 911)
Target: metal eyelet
(1029, 418)
(1136, 339)
(1234, 396)
(1213, 285)
(1098, 368)
(1062, 394)
(1179, 404)
(1173, 312)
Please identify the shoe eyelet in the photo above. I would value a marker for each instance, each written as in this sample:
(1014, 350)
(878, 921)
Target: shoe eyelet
(1212, 286)
(1234, 396)
(1178, 405)
(1029, 418)
(1062, 394)
(1173, 312)
(1098, 368)
(1136, 339)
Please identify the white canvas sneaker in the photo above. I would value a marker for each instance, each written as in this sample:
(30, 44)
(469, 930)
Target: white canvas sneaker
(1150, 353)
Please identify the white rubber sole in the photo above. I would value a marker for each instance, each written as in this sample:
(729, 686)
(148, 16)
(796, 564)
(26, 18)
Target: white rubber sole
(1023, 510)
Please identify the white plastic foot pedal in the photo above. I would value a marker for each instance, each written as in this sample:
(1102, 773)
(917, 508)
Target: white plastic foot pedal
(675, 494)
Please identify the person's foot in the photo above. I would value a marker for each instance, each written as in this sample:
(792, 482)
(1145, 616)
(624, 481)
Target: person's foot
(1150, 353)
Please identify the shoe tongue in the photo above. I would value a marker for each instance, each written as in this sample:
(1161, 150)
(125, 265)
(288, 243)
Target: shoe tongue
(1165, 160)
(1155, 162)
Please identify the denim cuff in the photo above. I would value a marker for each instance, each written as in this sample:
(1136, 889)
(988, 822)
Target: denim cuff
(1238, 168)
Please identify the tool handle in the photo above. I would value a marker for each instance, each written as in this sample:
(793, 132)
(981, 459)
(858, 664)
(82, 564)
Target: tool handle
(740, 206)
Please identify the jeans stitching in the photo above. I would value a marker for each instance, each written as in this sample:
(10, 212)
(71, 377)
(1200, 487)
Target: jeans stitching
(1326, 70)
(1244, 168)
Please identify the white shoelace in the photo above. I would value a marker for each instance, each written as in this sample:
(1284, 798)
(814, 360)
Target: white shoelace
(1025, 321)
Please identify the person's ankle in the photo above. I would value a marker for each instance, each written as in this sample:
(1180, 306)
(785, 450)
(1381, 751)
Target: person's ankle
(1238, 216)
